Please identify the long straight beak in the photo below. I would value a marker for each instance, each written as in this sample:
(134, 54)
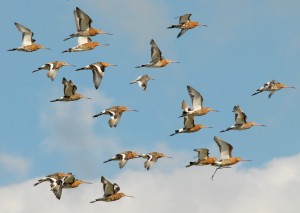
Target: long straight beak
(135, 110)
(113, 65)
(171, 61)
(86, 97)
(214, 110)
(85, 182)
(259, 124)
(106, 33)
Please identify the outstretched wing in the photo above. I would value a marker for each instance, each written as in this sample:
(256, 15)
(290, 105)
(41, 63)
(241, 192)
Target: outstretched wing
(155, 52)
(202, 153)
(27, 34)
(240, 116)
(189, 121)
(224, 148)
(108, 187)
(196, 97)
(183, 19)
(114, 120)
(83, 21)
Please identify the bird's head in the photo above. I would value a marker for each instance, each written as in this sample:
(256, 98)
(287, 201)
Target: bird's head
(106, 64)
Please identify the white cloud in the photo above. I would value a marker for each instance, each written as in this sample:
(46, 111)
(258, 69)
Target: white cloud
(69, 125)
(273, 188)
(13, 164)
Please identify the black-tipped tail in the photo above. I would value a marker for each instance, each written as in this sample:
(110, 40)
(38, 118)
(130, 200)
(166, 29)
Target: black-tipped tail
(173, 26)
(82, 68)
(54, 100)
(107, 160)
(191, 164)
(94, 116)
(176, 132)
(12, 49)
(256, 93)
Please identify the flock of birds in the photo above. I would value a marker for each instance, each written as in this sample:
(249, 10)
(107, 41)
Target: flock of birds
(59, 181)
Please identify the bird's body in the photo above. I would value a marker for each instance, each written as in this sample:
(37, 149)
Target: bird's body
(84, 44)
(69, 92)
(185, 24)
(123, 157)
(115, 113)
(241, 121)
(58, 175)
(98, 69)
(142, 81)
(83, 25)
(203, 158)
(197, 104)
(111, 198)
(189, 126)
(28, 44)
(52, 68)
(271, 87)
(60, 180)
(157, 60)
(152, 157)
(226, 158)
(110, 192)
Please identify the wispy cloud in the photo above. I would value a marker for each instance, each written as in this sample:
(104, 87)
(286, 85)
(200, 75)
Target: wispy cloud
(273, 188)
(14, 165)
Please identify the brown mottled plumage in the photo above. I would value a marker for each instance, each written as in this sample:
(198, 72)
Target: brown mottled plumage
(152, 157)
(189, 126)
(226, 158)
(52, 68)
(240, 121)
(83, 25)
(123, 157)
(69, 92)
(203, 158)
(98, 69)
(84, 44)
(110, 192)
(60, 180)
(28, 44)
(197, 104)
(142, 81)
(185, 24)
(115, 113)
(271, 86)
(158, 60)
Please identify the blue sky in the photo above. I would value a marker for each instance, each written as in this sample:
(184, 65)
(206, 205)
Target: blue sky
(246, 44)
